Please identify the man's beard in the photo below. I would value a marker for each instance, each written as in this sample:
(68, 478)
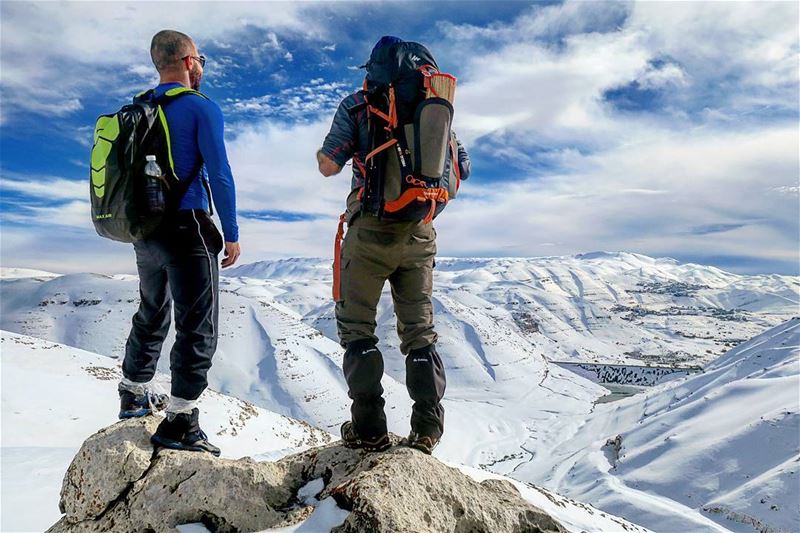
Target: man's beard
(195, 75)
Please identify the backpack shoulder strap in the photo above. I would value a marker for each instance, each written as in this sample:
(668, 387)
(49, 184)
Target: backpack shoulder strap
(144, 96)
(166, 98)
(176, 92)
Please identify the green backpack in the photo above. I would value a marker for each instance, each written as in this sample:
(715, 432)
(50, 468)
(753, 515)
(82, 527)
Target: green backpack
(117, 181)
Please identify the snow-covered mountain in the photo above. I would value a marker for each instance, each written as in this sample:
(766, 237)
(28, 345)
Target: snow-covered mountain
(502, 322)
(598, 307)
(55, 396)
(270, 356)
(722, 446)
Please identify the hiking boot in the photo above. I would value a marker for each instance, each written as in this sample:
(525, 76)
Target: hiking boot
(353, 441)
(134, 405)
(181, 431)
(423, 443)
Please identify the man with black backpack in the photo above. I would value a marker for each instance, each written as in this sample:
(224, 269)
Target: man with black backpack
(154, 166)
(407, 164)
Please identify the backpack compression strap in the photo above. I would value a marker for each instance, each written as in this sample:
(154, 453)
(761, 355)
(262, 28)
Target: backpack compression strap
(391, 124)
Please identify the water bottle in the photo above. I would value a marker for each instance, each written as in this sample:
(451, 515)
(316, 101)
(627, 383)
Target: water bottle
(153, 188)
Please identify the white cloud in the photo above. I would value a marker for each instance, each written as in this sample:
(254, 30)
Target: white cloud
(64, 250)
(743, 49)
(54, 52)
(637, 182)
(544, 22)
(624, 182)
(276, 169)
(109, 33)
(44, 101)
(737, 57)
(44, 187)
(293, 103)
(644, 197)
(527, 86)
(663, 76)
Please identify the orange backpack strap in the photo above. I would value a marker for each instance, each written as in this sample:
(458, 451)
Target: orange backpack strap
(380, 149)
(337, 259)
(391, 117)
(418, 194)
(432, 211)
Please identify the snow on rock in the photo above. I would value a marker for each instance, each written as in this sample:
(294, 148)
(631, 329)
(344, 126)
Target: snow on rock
(571, 513)
(168, 488)
(401, 490)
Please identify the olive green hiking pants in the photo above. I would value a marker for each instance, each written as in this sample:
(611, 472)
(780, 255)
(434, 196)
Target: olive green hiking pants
(373, 252)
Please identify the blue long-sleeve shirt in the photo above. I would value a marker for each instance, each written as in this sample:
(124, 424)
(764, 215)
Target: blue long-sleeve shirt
(196, 130)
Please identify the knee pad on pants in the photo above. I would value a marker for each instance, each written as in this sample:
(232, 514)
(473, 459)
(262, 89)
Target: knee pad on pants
(363, 369)
(425, 377)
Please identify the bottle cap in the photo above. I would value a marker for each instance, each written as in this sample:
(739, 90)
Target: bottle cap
(150, 157)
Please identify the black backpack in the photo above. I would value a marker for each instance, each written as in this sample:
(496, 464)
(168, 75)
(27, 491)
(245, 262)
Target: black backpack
(411, 170)
(117, 181)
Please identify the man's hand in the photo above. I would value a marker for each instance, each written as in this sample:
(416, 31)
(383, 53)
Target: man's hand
(327, 167)
(232, 253)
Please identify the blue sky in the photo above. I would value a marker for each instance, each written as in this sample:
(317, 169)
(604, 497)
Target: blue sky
(669, 129)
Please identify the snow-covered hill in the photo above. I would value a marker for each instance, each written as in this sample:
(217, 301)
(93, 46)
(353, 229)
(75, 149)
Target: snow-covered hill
(54, 396)
(721, 446)
(270, 355)
(599, 307)
(501, 321)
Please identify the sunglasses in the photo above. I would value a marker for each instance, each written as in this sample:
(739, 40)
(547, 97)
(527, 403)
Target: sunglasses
(200, 59)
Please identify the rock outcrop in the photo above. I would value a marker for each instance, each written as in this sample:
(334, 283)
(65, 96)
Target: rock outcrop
(117, 482)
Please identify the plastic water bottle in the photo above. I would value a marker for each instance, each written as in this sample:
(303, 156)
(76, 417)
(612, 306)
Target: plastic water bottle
(153, 188)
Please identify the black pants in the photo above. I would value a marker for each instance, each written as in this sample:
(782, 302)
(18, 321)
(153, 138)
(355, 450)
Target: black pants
(425, 381)
(178, 265)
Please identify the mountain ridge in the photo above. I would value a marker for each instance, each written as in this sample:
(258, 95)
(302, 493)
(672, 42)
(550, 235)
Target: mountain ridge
(500, 323)
(41, 437)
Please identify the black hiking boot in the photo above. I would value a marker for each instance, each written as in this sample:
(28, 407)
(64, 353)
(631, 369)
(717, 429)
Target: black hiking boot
(182, 431)
(353, 441)
(423, 443)
(132, 405)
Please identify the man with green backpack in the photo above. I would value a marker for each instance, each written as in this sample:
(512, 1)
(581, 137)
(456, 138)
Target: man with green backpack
(155, 164)
(407, 164)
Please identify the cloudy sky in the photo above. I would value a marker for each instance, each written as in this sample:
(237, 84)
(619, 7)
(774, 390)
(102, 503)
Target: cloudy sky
(668, 129)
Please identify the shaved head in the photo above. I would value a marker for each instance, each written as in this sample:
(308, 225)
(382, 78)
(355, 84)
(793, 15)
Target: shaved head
(168, 47)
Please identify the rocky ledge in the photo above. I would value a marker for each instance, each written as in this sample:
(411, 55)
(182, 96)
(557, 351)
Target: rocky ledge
(118, 482)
